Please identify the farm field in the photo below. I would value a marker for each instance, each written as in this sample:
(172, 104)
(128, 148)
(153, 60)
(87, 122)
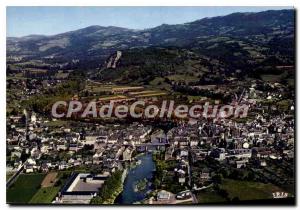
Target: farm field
(24, 188)
(115, 91)
(44, 195)
(50, 187)
(246, 190)
(98, 87)
(208, 196)
(49, 180)
(243, 190)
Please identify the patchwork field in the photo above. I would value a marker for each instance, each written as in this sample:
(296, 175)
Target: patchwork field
(116, 92)
(36, 188)
(97, 87)
(115, 97)
(47, 194)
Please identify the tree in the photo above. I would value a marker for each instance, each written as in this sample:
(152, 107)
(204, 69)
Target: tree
(110, 189)
(223, 193)
(217, 178)
(235, 199)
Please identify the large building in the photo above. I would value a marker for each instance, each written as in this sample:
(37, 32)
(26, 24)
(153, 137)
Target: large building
(81, 188)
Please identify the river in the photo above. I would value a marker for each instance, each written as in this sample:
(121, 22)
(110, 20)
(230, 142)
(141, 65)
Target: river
(140, 172)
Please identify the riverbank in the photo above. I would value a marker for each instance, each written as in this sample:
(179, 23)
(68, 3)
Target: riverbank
(142, 171)
(111, 189)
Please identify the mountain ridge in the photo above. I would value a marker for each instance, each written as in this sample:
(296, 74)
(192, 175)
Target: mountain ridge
(238, 41)
(145, 29)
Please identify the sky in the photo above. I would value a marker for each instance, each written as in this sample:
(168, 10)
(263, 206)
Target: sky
(22, 21)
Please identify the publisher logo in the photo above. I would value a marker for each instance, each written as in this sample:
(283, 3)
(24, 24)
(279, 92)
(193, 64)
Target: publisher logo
(280, 195)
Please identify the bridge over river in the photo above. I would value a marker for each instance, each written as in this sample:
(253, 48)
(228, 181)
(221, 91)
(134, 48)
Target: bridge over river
(151, 146)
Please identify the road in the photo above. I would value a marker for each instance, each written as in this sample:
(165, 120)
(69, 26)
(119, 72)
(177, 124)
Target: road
(15, 176)
(195, 200)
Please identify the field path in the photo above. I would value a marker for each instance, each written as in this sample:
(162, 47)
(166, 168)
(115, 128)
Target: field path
(49, 179)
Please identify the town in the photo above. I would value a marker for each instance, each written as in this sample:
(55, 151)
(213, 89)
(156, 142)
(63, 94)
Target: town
(73, 160)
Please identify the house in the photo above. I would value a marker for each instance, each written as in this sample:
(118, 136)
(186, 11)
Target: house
(74, 147)
(29, 169)
(163, 195)
(198, 154)
(263, 163)
(112, 140)
(218, 153)
(194, 142)
(184, 153)
(241, 163)
(31, 161)
(169, 153)
(239, 153)
(45, 149)
(35, 153)
(63, 165)
(98, 153)
(127, 153)
(61, 146)
(205, 176)
(159, 138)
(77, 162)
(16, 154)
(44, 168)
(181, 176)
(181, 179)
(102, 139)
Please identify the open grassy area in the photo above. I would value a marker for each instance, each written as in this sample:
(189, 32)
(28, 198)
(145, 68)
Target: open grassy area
(274, 77)
(57, 123)
(9, 174)
(157, 81)
(245, 190)
(291, 82)
(98, 88)
(270, 78)
(196, 98)
(44, 195)
(182, 77)
(209, 196)
(17, 76)
(24, 188)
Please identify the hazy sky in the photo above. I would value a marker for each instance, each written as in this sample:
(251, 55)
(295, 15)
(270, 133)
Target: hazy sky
(23, 21)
